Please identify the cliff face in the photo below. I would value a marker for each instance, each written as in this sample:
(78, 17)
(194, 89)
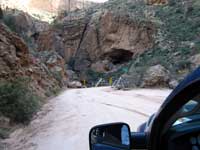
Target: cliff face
(17, 62)
(103, 38)
(113, 38)
(127, 35)
(22, 23)
(16, 54)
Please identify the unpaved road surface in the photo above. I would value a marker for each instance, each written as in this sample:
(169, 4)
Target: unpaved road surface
(64, 123)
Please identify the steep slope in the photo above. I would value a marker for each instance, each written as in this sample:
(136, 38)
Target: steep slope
(98, 38)
(177, 39)
(27, 78)
(129, 37)
(124, 37)
(16, 61)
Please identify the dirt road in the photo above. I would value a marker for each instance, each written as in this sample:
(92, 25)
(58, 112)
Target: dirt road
(64, 122)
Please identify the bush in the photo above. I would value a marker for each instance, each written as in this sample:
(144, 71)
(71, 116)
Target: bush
(4, 133)
(9, 21)
(17, 101)
(58, 77)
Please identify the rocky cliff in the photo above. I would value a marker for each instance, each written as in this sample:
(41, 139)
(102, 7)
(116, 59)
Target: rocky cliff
(113, 38)
(97, 40)
(121, 37)
(127, 35)
(27, 76)
(16, 61)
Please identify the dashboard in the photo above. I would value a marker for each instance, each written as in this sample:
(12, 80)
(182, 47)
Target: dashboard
(183, 137)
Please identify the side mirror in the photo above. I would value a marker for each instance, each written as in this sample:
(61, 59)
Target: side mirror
(115, 136)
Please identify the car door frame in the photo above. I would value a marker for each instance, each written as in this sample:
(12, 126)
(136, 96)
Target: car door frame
(180, 96)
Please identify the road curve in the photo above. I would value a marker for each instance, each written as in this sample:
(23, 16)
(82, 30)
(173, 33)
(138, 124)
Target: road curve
(64, 123)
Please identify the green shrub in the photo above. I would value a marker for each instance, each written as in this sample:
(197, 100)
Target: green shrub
(58, 77)
(17, 101)
(182, 64)
(57, 25)
(4, 133)
(10, 22)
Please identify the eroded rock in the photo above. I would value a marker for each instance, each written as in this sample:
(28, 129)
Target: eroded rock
(71, 75)
(156, 76)
(15, 62)
(75, 84)
(195, 61)
(56, 64)
(102, 66)
(173, 84)
(22, 23)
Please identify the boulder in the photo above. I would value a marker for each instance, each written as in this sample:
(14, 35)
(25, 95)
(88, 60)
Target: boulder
(102, 66)
(156, 76)
(173, 84)
(75, 84)
(98, 67)
(71, 75)
(56, 65)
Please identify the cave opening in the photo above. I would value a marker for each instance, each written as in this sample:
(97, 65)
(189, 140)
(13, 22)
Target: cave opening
(119, 56)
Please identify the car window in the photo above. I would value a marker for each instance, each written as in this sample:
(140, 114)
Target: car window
(188, 113)
(188, 107)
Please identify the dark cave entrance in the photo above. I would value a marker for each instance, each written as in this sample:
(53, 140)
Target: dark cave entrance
(119, 56)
